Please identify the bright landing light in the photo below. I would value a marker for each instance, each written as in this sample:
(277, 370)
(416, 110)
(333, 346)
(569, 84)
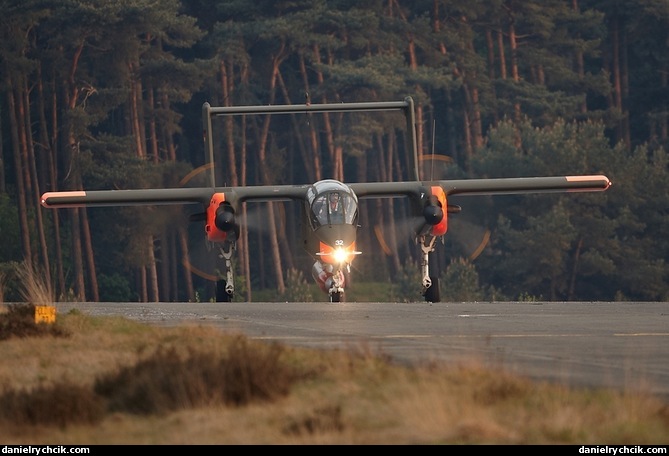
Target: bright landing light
(340, 255)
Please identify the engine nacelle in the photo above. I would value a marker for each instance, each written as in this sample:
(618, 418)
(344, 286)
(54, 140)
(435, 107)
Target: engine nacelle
(433, 211)
(225, 217)
(221, 225)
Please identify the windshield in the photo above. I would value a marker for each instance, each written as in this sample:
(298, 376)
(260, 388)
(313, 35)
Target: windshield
(334, 208)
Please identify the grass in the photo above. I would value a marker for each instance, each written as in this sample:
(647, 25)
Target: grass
(109, 380)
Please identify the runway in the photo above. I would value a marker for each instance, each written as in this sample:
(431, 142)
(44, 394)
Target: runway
(623, 345)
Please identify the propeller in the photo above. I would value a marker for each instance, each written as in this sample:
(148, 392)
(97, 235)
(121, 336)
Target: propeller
(468, 236)
(203, 257)
(471, 237)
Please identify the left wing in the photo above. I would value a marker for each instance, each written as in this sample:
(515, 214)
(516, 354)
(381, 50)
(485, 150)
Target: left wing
(203, 195)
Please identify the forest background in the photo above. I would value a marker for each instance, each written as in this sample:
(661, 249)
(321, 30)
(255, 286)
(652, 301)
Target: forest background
(108, 95)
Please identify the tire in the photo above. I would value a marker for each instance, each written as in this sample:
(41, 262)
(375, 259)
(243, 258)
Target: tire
(221, 294)
(337, 297)
(432, 293)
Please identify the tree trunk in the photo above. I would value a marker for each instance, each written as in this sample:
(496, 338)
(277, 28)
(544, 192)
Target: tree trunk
(90, 257)
(574, 269)
(163, 266)
(44, 153)
(153, 152)
(477, 126)
(71, 146)
(625, 90)
(226, 89)
(154, 290)
(246, 265)
(310, 155)
(392, 220)
(515, 75)
(168, 137)
(52, 171)
(134, 106)
(143, 289)
(3, 184)
(20, 184)
(183, 242)
(502, 55)
(420, 142)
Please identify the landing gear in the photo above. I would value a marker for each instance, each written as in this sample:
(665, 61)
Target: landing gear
(225, 288)
(430, 283)
(330, 279)
(221, 293)
(431, 294)
(336, 290)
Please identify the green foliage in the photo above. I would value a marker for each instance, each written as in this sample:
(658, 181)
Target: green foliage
(115, 288)
(569, 246)
(406, 287)
(524, 297)
(297, 287)
(460, 282)
(10, 283)
(9, 230)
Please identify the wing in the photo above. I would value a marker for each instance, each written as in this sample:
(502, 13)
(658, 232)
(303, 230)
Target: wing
(592, 183)
(236, 195)
(82, 198)
(233, 195)
(430, 198)
(587, 183)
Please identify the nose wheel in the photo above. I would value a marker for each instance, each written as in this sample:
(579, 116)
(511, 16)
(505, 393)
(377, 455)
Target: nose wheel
(223, 293)
(337, 296)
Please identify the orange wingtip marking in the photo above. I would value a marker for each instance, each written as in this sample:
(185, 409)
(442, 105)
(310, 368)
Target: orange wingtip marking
(48, 195)
(589, 178)
(582, 178)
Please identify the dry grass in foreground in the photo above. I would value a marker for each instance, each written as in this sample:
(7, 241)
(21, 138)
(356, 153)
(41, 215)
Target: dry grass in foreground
(90, 380)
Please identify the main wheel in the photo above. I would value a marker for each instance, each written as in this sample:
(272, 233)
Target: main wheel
(221, 294)
(432, 293)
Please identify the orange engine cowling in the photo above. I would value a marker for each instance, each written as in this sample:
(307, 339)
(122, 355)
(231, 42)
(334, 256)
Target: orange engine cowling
(214, 234)
(437, 209)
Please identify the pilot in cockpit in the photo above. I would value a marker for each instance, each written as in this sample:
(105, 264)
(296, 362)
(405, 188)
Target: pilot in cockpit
(335, 206)
(331, 212)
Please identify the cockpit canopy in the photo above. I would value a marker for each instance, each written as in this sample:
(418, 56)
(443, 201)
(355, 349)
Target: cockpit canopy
(332, 203)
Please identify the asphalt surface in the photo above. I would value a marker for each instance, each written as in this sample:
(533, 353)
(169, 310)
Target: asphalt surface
(623, 345)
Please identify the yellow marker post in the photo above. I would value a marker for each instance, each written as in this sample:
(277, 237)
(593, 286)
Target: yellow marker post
(45, 314)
